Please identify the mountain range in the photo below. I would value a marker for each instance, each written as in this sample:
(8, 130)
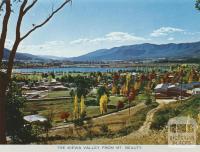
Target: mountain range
(144, 51)
(131, 52)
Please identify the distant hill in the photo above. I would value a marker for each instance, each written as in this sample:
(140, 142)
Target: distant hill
(22, 56)
(52, 57)
(143, 51)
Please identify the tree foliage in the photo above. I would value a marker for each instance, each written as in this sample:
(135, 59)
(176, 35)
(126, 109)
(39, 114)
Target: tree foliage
(82, 84)
(103, 104)
(101, 91)
(82, 105)
(197, 5)
(17, 128)
(76, 107)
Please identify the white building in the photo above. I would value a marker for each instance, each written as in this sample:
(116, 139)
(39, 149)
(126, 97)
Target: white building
(34, 118)
(196, 91)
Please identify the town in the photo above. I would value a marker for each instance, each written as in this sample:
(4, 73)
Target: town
(78, 98)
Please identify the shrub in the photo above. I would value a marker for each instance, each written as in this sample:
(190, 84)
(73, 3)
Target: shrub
(78, 122)
(148, 100)
(104, 128)
(162, 118)
(120, 105)
(91, 102)
(83, 115)
(65, 115)
(111, 106)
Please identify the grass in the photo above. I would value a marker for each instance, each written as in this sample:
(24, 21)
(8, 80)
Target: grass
(142, 97)
(44, 108)
(117, 126)
(141, 115)
(137, 121)
(114, 100)
(55, 94)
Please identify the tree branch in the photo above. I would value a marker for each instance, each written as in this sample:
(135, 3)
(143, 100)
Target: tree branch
(30, 6)
(19, 20)
(2, 4)
(46, 20)
(17, 38)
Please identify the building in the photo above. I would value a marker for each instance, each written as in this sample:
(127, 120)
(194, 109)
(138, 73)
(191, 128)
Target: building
(196, 91)
(34, 118)
(170, 91)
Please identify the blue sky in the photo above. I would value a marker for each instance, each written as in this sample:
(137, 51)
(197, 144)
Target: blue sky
(88, 25)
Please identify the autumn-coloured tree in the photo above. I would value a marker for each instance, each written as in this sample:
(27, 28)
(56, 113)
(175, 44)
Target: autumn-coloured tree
(149, 85)
(121, 91)
(131, 97)
(124, 90)
(116, 78)
(103, 104)
(82, 104)
(114, 89)
(6, 8)
(132, 94)
(190, 79)
(137, 85)
(128, 79)
(64, 116)
(76, 107)
(120, 105)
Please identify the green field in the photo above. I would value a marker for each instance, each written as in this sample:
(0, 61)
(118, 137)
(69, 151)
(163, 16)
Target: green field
(56, 94)
(56, 107)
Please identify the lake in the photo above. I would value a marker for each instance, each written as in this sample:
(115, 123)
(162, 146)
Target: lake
(87, 69)
(69, 69)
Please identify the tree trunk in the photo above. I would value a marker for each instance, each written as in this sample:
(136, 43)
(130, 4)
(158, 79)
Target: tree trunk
(4, 82)
(2, 109)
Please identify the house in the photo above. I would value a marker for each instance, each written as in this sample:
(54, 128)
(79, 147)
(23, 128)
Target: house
(34, 118)
(195, 84)
(170, 91)
(134, 74)
(177, 90)
(196, 91)
(34, 95)
(161, 90)
(40, 88)
(187, 86)
(59, 88)
(21, 84)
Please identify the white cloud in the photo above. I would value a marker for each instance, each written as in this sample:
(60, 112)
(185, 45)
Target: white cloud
(79, 46)
(170, 39)
(112, 38)
(164, 31)
(79, 41)
(47, 48)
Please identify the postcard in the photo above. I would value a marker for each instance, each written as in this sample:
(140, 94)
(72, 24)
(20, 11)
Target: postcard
(99, 75)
